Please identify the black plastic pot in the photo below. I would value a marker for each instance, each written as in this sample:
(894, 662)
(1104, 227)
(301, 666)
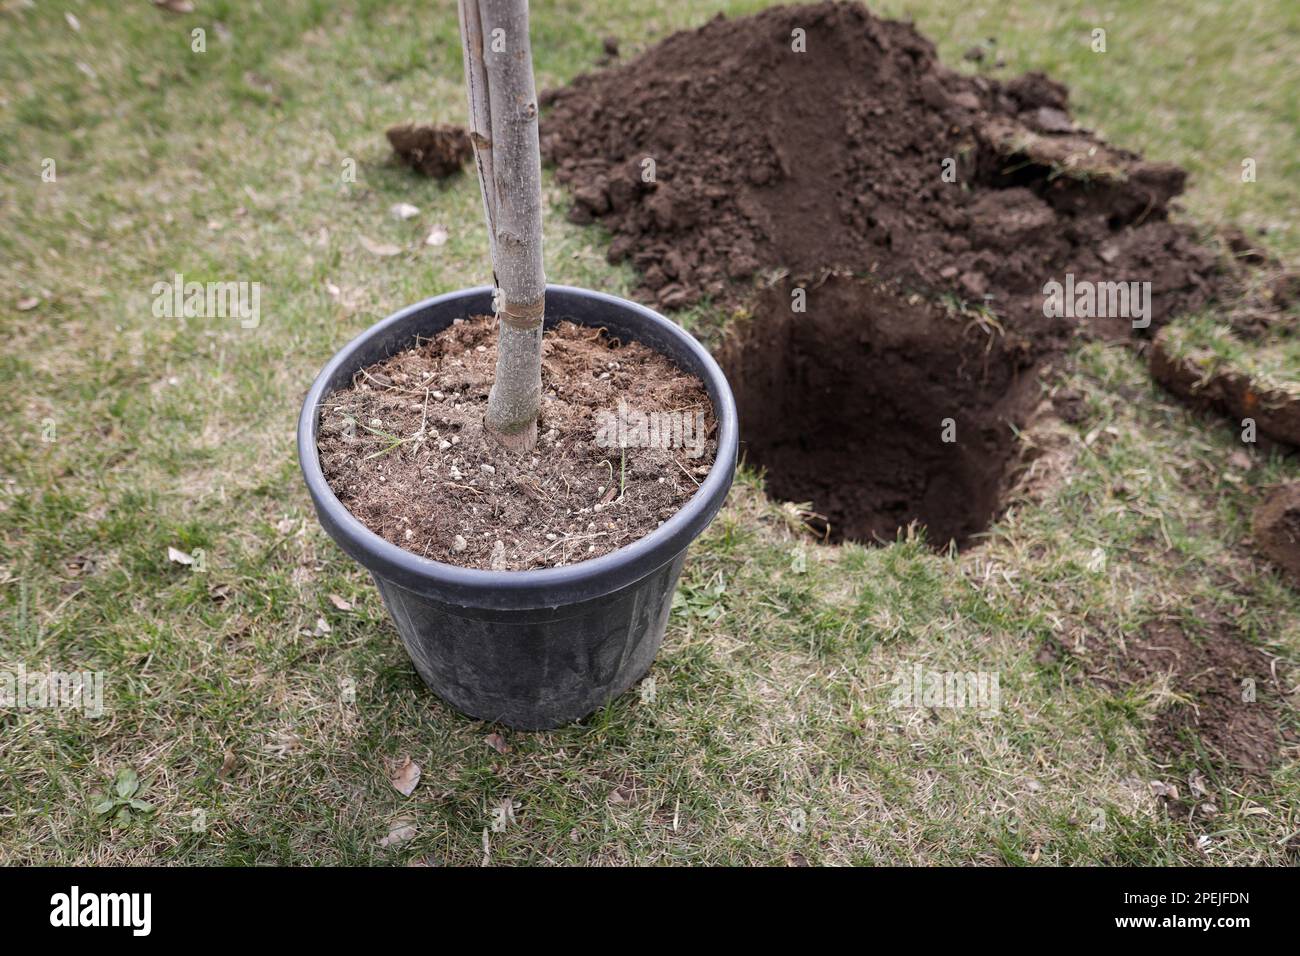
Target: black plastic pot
(531, 649)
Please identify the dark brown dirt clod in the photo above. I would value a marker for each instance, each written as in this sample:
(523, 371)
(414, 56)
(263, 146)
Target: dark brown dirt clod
(832, 159)
(1277, 529)
(438, 151)
(405, 451)
(1226, 390)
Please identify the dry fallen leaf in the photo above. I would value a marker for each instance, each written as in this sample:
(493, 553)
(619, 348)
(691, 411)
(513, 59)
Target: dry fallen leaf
(379, 248)
(284, 743)
(622, 795)
(72, 21)
(179, 557)
(1161, 789)
(340, 603)
(405, 776)
(175, 6)
(399, 831)
(404, 210)
(437, 236)
(79, 564)
(497, 743)
(322, 627)
(332, 289)
(27, 304)
(503, 815)
(227, 765)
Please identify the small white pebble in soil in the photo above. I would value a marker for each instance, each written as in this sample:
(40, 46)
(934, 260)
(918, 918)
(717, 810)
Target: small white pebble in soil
(499, 556)
(439, 396)
(481, 348)
(455, 439)
(409, 534)
(487, 469)
(550, 537)
(444, 445)
(459, 544)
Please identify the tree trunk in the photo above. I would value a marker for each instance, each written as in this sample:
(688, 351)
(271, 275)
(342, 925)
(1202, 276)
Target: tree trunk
(503, 129)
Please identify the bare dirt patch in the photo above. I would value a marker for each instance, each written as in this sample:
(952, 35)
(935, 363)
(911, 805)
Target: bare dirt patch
(880, 409)
(833, 159)
(404, 450)
(1220, 697)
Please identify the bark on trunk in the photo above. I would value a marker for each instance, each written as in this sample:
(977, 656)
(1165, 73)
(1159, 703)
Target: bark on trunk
(503, 129)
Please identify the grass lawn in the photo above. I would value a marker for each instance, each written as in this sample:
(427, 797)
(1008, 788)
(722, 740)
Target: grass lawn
(262, 717)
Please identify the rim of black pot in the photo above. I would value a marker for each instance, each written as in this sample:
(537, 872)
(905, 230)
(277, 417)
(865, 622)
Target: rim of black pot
(536, 588)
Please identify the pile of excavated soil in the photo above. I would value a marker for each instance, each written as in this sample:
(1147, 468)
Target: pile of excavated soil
(404, 449)
(768, 159)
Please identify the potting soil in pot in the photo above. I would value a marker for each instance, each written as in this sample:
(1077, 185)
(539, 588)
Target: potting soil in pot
(625, 438)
